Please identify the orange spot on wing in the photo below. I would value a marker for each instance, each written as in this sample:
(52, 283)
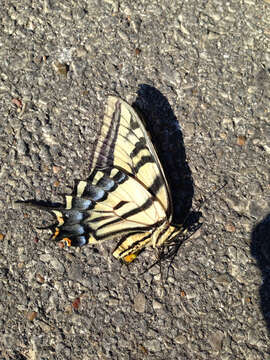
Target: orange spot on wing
(56, 233)
(67, 241)
(129, 258)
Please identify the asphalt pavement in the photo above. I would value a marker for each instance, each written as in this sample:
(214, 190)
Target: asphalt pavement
(199, 72)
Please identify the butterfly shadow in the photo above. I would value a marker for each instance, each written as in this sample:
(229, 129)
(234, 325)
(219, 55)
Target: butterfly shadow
(260, 250)
(167, 137)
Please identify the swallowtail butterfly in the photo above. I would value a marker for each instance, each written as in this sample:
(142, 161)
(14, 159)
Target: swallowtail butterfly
(129, 199)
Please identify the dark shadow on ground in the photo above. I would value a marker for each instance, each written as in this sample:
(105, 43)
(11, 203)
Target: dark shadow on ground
(167, 137)
(260, 250)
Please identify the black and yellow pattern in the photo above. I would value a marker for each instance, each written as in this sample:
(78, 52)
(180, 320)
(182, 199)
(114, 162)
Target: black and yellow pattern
(128, 199)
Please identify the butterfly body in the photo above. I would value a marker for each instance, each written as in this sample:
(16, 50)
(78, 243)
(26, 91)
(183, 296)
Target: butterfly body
(126, 196)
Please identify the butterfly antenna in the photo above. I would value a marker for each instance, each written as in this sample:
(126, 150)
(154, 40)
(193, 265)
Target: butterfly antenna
(211, 195)
(150, 267)
(176, 245)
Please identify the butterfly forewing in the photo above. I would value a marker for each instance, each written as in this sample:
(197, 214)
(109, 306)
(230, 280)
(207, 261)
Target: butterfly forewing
(123, 142)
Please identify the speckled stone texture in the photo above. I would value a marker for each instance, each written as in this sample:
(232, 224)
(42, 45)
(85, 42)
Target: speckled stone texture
(202, 64)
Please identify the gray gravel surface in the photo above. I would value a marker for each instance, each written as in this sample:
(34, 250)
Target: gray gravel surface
(204, 63)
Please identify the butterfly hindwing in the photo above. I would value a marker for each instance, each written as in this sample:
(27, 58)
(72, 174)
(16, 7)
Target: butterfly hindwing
(112, 204)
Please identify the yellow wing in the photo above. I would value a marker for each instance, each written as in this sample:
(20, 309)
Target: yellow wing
(112, 204)
(123, 142)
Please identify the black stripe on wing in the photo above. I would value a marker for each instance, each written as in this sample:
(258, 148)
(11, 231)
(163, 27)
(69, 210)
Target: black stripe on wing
(130, 213)
(139, 146)
(115, 126)
(134, 248)
(119, 232)
(113, 132)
